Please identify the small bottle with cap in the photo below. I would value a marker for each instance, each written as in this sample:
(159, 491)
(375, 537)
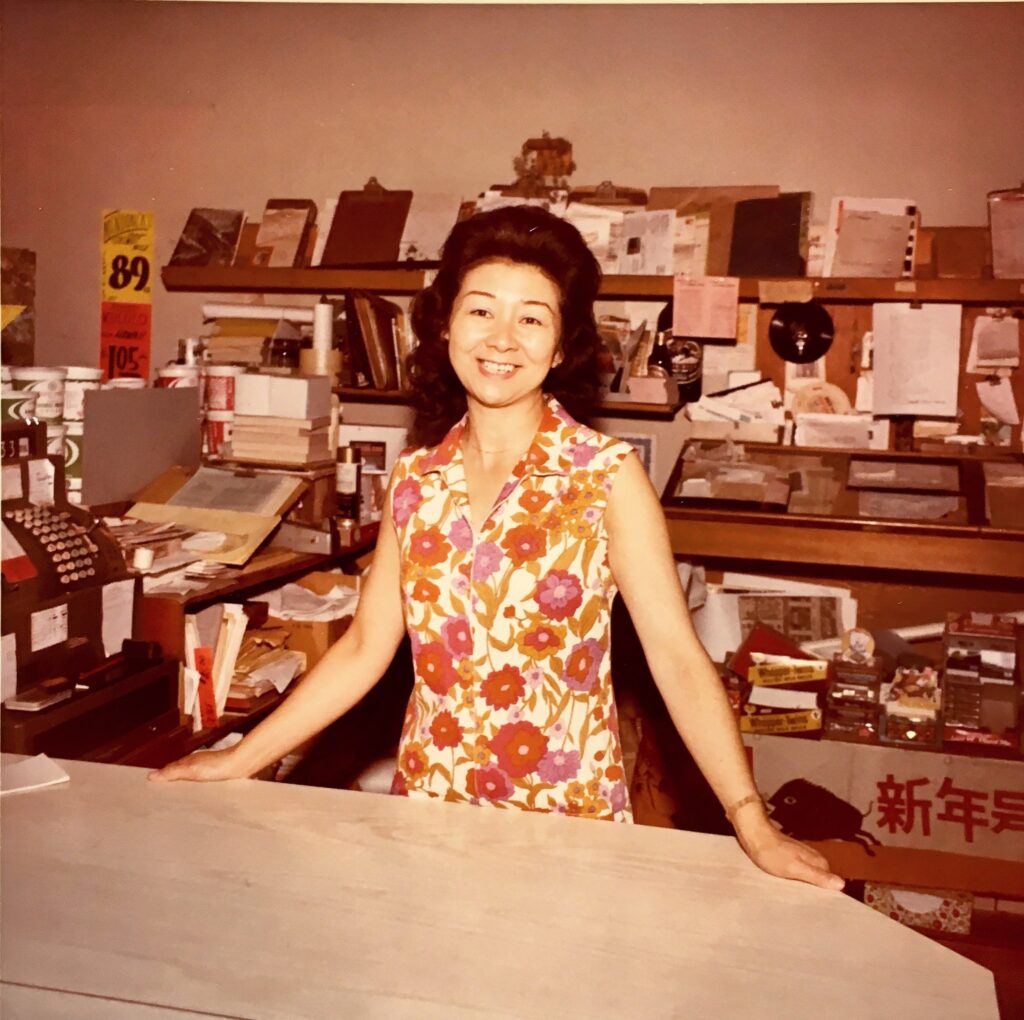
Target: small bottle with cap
(348, 471)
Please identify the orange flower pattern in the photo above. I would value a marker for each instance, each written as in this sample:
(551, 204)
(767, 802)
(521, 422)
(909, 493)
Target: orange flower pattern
(510, 628)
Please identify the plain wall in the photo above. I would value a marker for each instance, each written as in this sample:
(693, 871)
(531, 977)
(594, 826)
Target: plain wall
(165, 106)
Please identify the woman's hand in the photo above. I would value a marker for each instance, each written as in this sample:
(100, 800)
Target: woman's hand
(202, 767)
(781, 855)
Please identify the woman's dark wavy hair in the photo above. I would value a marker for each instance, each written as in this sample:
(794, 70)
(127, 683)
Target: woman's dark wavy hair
(523, 234)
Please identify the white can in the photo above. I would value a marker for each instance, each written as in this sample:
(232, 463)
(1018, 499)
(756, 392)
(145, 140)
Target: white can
(125, 382)
(73, 440)
(47, 384)
(217, 431)
(18, 404)
(177, 375)
(220, 386)
(79, 380)
(55, 439)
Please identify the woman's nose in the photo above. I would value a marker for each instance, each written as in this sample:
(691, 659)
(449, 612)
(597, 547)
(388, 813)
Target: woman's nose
(500, 336)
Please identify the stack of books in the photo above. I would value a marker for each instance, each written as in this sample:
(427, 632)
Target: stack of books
(282, 420)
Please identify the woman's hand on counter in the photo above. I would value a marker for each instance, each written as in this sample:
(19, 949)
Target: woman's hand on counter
(781, 855)
(202, 767)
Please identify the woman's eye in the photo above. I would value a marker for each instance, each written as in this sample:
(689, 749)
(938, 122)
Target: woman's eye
(532, 321)
(479, 311)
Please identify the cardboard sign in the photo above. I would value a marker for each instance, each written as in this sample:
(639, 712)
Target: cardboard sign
(876, 795)
(126, 293)
(125, 339)
(127, 257)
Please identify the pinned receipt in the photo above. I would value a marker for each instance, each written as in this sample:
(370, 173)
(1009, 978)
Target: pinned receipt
(997, 398)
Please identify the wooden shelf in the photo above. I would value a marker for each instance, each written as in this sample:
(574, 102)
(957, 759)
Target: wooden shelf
(751, 536)
(400, 280)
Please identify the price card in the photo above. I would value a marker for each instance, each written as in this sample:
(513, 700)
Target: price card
(127, 293)
(125, 336)
(127, 256)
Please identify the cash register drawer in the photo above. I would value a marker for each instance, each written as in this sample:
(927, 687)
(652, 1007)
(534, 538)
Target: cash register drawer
(89, 720)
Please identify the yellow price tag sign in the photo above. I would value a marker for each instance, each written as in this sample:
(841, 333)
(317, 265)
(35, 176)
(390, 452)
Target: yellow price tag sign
(128, 256)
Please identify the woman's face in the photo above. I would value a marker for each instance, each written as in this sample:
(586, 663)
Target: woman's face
(504, 332)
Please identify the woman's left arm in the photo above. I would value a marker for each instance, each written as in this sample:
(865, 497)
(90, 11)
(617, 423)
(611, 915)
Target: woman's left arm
(644, 568)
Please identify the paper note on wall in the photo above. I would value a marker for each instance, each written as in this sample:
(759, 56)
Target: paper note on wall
(917, 359)
(705, 306)
(118, 610)
(49, 627)
(995, 343)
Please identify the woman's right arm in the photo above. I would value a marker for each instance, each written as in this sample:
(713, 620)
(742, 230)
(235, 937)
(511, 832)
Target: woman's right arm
(350, 667)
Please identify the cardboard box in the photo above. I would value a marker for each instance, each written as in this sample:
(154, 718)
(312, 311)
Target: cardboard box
(283, 396)
(314, 637)
(930, 909)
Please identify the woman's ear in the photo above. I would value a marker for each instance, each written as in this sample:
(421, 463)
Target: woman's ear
(557, 359)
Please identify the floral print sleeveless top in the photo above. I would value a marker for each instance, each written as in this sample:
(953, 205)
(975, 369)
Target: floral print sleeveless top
(512, 701)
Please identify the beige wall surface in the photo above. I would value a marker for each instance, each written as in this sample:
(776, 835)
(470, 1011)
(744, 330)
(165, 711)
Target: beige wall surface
(166, 106)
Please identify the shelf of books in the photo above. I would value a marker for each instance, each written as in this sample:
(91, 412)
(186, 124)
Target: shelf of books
(405, 280)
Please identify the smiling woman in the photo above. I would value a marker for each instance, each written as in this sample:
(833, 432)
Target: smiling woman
(506, 536)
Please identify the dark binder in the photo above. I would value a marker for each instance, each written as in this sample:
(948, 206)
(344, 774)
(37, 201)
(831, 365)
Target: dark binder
(769, 236)
(367, 227)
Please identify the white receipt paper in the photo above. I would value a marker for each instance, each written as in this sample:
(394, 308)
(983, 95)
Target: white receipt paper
(917, 359)
(11, 482)
(118, 610)
(9, 667)
(31, 774)
(705, 306)
(49, 627)
(40, 482)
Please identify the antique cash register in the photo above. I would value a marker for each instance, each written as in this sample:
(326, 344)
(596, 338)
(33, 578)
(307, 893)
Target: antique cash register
(74, 683)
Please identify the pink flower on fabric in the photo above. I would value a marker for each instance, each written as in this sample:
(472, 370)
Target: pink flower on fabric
(488, 783)
(618, 797)
(460, 585)
(461, 534)
(486, 561)
(405, 500)
(583, 454)
(582, 665)
(558, 766)
(534, 677)
(457, 637)
(559, 595)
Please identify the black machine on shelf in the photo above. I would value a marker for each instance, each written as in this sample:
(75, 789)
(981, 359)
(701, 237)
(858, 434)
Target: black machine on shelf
(61, 573)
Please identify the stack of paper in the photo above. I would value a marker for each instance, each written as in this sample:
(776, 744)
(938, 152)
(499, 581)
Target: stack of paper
(263, 665)
(748, 413)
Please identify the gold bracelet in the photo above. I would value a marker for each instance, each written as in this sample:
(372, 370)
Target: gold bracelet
(730, 811)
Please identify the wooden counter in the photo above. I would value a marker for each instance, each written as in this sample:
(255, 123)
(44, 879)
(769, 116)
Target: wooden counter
(255, 899)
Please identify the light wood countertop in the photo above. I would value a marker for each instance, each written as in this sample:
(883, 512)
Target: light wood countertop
(262, 900)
